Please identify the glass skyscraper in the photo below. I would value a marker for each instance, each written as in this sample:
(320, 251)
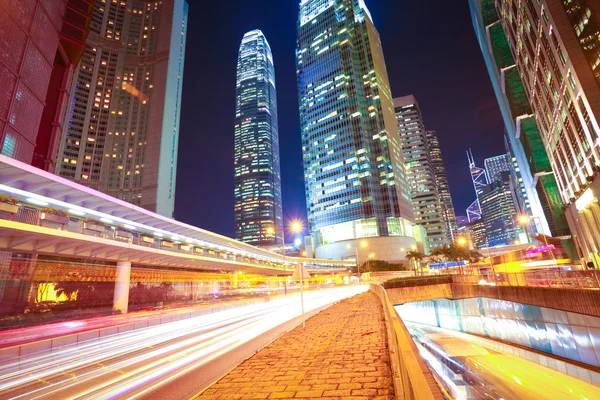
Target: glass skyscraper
(441, 180)
(258, 214)
(494, 166)
(426, 199)
(121, 132)
(354, 171)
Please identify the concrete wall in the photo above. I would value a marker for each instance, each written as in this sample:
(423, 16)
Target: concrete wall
(388, 248)
(564, 334)
(580, 301)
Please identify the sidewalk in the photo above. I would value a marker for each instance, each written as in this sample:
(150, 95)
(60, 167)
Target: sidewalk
(341, 354)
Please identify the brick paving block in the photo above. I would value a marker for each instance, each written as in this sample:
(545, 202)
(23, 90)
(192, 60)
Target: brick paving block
(282, 395)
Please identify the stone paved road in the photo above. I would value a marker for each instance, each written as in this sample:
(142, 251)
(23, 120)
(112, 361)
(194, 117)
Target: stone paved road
(341, 354)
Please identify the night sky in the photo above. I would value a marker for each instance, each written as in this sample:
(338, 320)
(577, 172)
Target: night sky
(430, 50)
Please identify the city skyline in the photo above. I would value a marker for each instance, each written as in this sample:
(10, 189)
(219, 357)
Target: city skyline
(277, 21)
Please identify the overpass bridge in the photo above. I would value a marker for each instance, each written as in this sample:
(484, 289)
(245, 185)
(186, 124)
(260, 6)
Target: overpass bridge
(42, 214)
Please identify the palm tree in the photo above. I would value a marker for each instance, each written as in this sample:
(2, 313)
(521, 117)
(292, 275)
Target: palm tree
(415, 255)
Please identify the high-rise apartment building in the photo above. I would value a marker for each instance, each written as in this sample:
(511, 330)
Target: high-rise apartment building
(121, 131)
(257, 190)
(441, 180)
(356, 186)
(40, 44)
(524, 70)
(426, 199)
(494, 166)
(499, 213)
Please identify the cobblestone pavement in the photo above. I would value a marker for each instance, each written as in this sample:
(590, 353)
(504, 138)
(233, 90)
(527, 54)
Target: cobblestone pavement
(341, 354)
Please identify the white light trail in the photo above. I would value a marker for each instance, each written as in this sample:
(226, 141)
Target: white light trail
(134, 363)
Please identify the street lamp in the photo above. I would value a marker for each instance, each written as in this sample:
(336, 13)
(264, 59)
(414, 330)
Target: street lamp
(524, 220)
(461, 241)
(363, 244)
(295, 227)
(372, 255)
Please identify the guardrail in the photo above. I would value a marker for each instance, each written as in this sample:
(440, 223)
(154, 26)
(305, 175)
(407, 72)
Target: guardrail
(542, 278)
(412, 378)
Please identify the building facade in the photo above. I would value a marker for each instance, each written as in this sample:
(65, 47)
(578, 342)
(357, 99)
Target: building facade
(441, 179)
(514, 67)
(42, 42)
(426, 199)
(494, 166)
(499, 213)
(257, 181)
(121, 131)
(356, 186)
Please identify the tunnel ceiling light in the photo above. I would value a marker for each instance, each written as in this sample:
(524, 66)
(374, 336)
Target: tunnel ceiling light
(107, 221)
(37, 202)
(76, 212)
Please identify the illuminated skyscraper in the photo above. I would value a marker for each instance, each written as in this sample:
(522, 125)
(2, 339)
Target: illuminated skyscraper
(429, 210)
(499, 212)
(41, 43)
(122, 127)
(441, 179)
(258, 214)
(495, 166)
(543, 58)
(356, 187)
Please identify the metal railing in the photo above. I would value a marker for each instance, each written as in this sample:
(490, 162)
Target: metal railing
(412, 379)
(541, 278)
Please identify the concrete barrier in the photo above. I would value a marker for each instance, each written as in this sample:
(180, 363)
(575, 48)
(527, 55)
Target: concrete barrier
(412, 378)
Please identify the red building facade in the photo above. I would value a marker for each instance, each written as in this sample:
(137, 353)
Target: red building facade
(40, 43)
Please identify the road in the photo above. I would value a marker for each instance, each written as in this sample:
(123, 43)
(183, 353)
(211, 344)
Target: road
(469, 370)
(137, 363)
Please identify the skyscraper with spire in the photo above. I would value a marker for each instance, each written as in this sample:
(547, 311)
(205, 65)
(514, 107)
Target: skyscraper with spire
(257, 190)
(357, 192)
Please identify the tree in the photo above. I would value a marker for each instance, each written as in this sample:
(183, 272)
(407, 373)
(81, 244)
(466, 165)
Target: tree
(416, 256)
(380, 265)
(451, 252)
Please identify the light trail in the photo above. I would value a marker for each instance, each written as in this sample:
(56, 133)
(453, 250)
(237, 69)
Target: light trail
(469, 370)
(133, 364)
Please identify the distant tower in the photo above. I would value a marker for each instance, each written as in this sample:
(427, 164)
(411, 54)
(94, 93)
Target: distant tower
(480, 180)
(257, 182)
(441, 180)
(427, 201)
(494, 166)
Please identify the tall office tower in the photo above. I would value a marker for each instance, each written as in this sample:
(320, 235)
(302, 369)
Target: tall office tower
(494, 166)
(41, 42)
(500, 215)
(479, 179)
(257, 190)
(536, 84)
(122, 126)
(426, 199)
(356, 187)
(441, 180)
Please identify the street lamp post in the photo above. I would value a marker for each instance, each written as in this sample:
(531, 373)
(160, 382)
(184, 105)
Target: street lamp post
(462, 242)
(295, 227)
(524, 220)
(363, 244)
(372, 255)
